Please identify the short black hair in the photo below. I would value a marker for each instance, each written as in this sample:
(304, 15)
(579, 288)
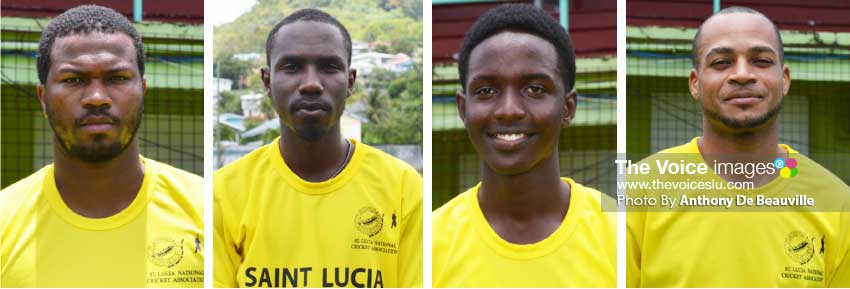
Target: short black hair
(309, 14)
(86, 19)
(731, 10)
(524, 18)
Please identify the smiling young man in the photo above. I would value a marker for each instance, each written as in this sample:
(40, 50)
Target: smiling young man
(740, 79)
(523, 225)
(101, 215)
(312, 209)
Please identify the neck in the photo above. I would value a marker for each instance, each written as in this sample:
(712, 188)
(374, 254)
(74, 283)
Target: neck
(527, 207)
(314, 161)
(759, 145)
(98, 190)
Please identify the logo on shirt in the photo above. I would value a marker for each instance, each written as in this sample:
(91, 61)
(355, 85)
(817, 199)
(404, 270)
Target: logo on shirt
(369, 221)
(165, 253)
(799, 247)
(787, 167)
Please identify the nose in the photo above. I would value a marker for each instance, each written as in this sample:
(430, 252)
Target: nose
(510, 107)
(95, 95)
(743, 73)
(310, 83)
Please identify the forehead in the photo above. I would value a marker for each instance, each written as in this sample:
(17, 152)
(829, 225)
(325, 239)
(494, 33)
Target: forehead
(93, 47)
(308, 38)
(511, 52)
(737, 29)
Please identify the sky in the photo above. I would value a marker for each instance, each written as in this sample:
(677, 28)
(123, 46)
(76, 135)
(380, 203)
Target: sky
(220, 12)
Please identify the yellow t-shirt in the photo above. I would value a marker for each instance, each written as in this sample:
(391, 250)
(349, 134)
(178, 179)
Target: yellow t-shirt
(362, 228)
(582, 252)
(793, 247)
(155, 242)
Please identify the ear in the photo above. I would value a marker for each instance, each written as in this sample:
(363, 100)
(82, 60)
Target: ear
(42, 99)
(570, 102)
(265, 75)
(693, 84)
(352, 76)
(460, 99)
(144, 86)
(786, 76)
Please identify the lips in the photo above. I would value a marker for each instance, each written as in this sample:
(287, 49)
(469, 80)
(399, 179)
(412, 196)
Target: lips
(743, 98)
(509, 141)
(97, 123)
(510, 136)
(304, 105)
(310, 108)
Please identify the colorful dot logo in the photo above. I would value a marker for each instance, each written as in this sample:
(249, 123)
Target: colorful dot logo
(787, 168)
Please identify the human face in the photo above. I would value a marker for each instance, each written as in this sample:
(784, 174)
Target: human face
(515, 103)
(740, 80)
(309, 78)
(93, 96)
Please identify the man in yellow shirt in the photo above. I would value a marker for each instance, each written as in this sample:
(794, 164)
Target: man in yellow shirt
(101, 215)
(312, 209)
(740, 79)
(523, 225)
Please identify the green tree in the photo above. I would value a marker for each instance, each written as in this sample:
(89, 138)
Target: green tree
(395, 113)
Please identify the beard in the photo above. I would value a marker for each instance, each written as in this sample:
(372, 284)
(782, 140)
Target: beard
(100, 150)
(749, 123)
(310, 130)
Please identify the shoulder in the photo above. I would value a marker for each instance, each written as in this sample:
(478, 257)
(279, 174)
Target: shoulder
(378, 167)
(454, 213)
(178, 185)
(819, 176)
(599, 208)
(374, 158)
(176, 177)
(242, 167)
(22, 194)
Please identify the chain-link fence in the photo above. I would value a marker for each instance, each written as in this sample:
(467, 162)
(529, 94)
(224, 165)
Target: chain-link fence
(661, 112)
(172, 125)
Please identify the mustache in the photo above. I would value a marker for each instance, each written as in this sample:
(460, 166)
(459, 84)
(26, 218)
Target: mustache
(96, 113)
(310, 105)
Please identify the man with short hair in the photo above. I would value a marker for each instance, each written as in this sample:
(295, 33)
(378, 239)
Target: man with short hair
(740, 79)
(101, 215)
(523, 225)
(313, 209)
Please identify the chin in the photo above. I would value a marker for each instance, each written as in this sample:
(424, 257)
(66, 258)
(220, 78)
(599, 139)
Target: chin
(508, 168)
(97, 152)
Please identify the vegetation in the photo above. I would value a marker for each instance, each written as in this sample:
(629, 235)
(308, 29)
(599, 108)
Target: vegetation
(392, 101)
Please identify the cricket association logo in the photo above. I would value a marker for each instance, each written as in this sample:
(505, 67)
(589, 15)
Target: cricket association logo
(799, 247)
(369, 221)
(165, 253)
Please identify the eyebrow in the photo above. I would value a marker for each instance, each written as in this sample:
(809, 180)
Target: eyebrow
(488, 78)
(719, 50)
(79, 71)
(728, 50)
(297, 58)
(536, 75)
(762, 49)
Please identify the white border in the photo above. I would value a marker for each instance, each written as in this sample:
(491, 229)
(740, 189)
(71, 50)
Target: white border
(621, 134)
(427, 169)
(208, 151)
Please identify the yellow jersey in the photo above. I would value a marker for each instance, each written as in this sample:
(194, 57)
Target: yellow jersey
(361, 228)
(155, 242)
(791, 247)
(582, 252)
